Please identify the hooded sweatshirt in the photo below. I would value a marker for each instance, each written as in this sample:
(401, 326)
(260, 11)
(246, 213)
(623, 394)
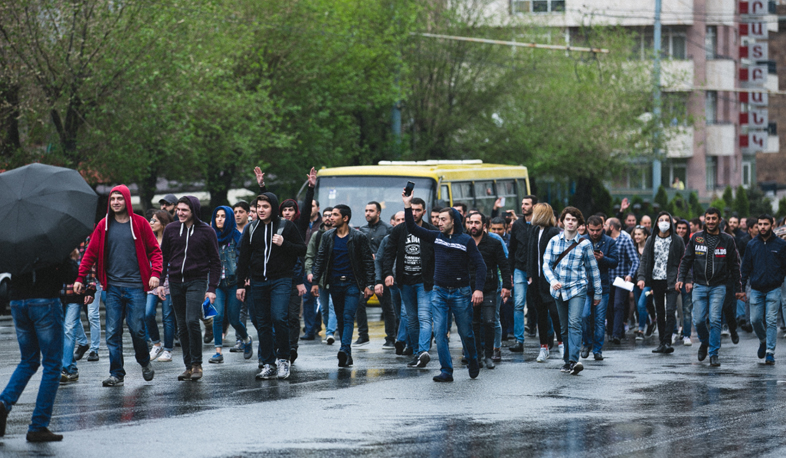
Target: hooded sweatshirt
(453, 254)
(261, 259)
(148, 254)
(191, 253)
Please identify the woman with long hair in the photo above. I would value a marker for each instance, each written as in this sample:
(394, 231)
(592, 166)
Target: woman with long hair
(545, 228)
(158, 221)
(223, 222)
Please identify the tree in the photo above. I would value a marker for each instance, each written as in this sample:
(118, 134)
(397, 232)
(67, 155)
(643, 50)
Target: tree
(591, 197)
(661, 198)
(728, 199)
(741, 205)
(696, 207)
(781, 208)
(718, 203)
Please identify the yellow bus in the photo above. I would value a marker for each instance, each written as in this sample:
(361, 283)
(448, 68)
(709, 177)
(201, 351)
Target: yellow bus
(438, 183)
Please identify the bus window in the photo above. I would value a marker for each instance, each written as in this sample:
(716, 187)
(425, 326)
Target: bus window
(462, 193)
(485, 196)
(444, 195)
(506, 189)
(522, 188)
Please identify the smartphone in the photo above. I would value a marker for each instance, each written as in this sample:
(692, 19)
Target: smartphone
(408, 189)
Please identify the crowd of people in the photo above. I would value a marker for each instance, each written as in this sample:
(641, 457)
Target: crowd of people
(569, 280)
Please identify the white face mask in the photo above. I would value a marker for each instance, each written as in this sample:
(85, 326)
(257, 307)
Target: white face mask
(664, 226)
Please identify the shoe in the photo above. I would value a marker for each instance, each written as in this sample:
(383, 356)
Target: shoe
(650, 329)
(413, 362)
(307, 337)
(3, 418)
(208, 331)
(185, 376)
(725, 330)
(218, 358)
(423, 359)
(638, 335)
(93, 356)
(177, 341)
(148, 373)
(400, 346)
(585, 352)
(615, 340)
(248, 348)
(388, 345)
(361, 341)
(464, 360)
(598, 356)
(330, 339)
(237, 348)
(714, 361)
(762, 350)
(155, 352)
(543, 355)
(518, 348)
(196, 372)
(668, 349)
(443, 377)
(65, 377)
(770, 360)
(283, 369)
(496, 355)
(489, 363)
(43, 435)
(565, 368)
(343, 358)
(746, 327)
(268, 372)
(480, 363)
(80, 352)
(661, 349)
(686, 341)
(703, 351)
(113, 381)
(409, 351)
(474, 368)
(166, 357)
(735, 337)
(531, 333)
(292, 355)
(576, 367)
(561, 351)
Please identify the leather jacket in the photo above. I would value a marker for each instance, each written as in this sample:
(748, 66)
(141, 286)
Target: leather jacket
(360, 259)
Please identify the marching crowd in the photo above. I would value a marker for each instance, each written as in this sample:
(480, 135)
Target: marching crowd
(569, 280)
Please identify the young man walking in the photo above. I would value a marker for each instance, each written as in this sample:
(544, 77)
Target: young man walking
(519, 241)
(376, 230)
(604, 249)
(626, 268)
(129, 264)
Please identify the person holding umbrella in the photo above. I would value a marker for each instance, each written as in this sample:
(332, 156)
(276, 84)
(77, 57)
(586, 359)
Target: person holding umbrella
(129, 261)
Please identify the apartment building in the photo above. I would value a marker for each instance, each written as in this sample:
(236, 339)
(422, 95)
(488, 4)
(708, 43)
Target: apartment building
(703, 77)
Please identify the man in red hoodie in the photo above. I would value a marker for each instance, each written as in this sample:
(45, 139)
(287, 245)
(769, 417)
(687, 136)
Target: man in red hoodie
(129, 264)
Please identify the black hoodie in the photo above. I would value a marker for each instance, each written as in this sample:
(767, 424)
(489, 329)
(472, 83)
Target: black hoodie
(191, 253)
(262, 260)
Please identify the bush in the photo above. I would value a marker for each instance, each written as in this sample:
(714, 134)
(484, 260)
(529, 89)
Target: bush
(718, 203)
(741, 205)
(695, 206)
(728, 197)
(661, 198)
(781, 208)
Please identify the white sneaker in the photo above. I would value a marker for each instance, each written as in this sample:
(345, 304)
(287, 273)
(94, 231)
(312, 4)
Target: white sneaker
(330, 339)
(166, 357)
(675, 338)
(544, 355)
(266, 373)
(283, 368)
(561, 351)
(686, 341)
(155, 352)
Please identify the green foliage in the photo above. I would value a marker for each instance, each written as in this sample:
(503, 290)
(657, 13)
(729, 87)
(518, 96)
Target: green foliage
(591, 197)
(718, 203)
(741, 204)
(695, 206)
(728, 198)
(661, 198)
(781, 208)
(759, 203)
(680, 207)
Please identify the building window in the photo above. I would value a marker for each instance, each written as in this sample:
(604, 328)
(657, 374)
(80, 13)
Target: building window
(746, 174)
(674, 169)
(674, 43)
(711, 42)
(538, 6)
(711, 172)
(711, 107)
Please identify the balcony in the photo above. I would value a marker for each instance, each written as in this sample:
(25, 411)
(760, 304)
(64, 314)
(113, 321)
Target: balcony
(720, 74)
(615, 12)
(721, 12)
(720, 140)
(677, 75)
(679, 142)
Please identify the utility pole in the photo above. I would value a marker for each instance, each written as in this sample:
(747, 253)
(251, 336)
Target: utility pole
(656, 166)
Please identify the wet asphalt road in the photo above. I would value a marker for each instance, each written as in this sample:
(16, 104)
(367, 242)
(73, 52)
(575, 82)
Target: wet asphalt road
(633, 403)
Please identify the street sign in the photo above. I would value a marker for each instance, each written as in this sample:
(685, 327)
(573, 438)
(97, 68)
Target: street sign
(754, 98)
(755, 75)
(754, 8)
(755, 118)
(755, 51)
(757, 30)
(754, 142)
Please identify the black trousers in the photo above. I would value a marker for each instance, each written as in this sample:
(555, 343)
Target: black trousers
(187, 301)
(665, 299)
(485, 316)
(544, 309)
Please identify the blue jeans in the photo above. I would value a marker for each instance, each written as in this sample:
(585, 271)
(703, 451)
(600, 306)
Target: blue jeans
(708, 302)
(39, 330)
(764, 309)
(570, 325)
(271, 305)
(72, 317)
(227, 303)
(520, 292)
(640, 298)
(311, 320)
(167, 319)
(346, 296)
(129, 304)
(594, 323)
(455, 300)
(94, 320)
(328, 311)
(418, 303)
(687, 312)
(403, 322)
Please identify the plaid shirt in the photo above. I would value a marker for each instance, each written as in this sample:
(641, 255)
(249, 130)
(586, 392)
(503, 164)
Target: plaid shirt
(572, 270)
(628, 258)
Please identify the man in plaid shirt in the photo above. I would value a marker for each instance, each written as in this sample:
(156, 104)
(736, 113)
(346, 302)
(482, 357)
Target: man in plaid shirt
(569, 280)
(627, 266)
(72, 305)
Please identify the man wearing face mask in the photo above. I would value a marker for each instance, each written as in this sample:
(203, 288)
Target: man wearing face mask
(658, 270)
(714, 258)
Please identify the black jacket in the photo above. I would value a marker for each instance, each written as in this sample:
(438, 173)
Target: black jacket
(43, 283)
(534, 253)
(519, 243)
(394, 250)
(676, 251)
(360, 258)
(494, 257)
(260, 259)
(726, 262)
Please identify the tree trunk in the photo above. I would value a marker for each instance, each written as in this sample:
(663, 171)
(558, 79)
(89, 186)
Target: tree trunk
(219, 180)
(9, 122)
(147, 188)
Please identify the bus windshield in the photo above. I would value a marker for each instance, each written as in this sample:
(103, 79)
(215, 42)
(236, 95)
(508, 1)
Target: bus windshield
(357, 191)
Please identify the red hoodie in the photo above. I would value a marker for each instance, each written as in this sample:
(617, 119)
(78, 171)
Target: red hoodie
(147, 251)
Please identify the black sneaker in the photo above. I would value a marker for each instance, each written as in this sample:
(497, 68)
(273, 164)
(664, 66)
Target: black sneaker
(343, 358)
(80, 352)
(703, 351)
(443, 377)
(408, 351)
(93, 356)
(668, 349)
(474, 368)
(414, 362)
(650, 329)
(585, 352)
(565, 368)
(362, 340)
(575, 368)
(714, 361)
(518, 348)
(148, 372)
(598, 356)
(735, 337)
(43, 435)
(400, 346)
(388, 345)
(423, 359)
(661, 349)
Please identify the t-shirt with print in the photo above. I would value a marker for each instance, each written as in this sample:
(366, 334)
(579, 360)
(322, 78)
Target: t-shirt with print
(413, 270)
(662, 246)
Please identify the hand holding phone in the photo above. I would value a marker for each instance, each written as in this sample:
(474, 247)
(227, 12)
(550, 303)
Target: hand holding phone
(408, 189)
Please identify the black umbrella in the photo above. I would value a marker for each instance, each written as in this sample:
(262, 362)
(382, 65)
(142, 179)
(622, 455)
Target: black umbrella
(45, 212)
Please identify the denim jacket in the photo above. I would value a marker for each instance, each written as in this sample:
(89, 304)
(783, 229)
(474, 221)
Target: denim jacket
(228, 254)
